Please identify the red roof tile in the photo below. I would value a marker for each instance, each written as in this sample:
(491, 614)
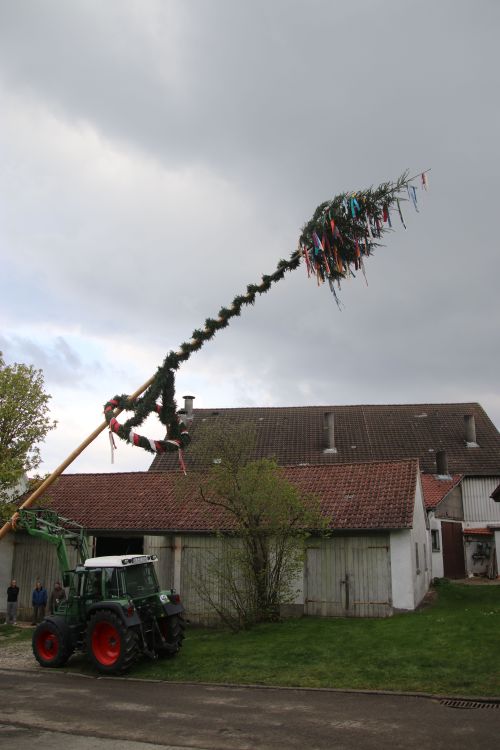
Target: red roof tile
(478, 532)
(295, 435)
(358, 496)
(436, 489)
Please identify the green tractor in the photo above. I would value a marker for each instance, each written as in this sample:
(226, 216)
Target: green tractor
(115, 611)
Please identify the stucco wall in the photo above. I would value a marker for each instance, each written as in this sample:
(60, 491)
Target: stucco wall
(420, 537)
(402, 570)
(437, 566)
(452, 505)
(409, 584)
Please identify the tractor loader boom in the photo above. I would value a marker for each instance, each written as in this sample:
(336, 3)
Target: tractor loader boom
(62, 532)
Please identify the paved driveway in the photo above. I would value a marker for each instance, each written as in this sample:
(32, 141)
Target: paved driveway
(228, 718)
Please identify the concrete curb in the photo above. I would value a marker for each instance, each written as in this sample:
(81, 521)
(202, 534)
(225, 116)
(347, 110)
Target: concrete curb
(256, 686)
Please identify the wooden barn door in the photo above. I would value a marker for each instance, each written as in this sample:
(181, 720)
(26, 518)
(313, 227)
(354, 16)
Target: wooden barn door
(325, 571)
(453, 550)
(349, 577)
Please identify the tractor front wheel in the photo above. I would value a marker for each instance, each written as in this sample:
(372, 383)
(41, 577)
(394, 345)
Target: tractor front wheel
(50, 645)
(111, 646)
(172, 630)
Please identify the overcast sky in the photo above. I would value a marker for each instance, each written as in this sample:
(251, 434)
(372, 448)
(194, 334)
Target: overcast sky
(156, 156)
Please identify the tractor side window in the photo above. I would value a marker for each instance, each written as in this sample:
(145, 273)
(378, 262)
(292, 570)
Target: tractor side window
(112, 586)
(93, 584)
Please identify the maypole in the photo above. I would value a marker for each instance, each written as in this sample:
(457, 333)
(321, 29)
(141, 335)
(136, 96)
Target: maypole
(334, 243)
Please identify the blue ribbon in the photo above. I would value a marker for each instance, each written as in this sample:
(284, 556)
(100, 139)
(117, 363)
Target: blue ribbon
(412, 193)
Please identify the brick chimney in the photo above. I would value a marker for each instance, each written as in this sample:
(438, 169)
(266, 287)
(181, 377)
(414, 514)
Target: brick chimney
(329, 432)
(470, 431)
(442, 465)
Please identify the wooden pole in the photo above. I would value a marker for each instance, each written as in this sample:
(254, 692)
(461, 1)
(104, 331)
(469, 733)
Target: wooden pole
(57, 472)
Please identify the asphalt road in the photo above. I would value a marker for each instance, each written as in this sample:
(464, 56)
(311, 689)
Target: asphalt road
(42, 708)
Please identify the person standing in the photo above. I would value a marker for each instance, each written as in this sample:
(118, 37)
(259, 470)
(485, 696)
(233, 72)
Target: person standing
(56, 597)
(12, 595)
(39, 602)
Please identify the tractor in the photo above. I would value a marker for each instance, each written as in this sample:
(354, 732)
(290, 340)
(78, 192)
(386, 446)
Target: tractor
(115, 611)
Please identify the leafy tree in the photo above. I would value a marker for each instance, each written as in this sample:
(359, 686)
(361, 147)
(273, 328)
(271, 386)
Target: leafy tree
(266, 519)
(24, 422)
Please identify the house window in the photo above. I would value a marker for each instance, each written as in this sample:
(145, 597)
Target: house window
(436, 542)
(417, 563)
(425, 558)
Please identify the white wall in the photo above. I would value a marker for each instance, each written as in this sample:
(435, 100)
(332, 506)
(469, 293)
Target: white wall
(402, 570)
(18, 489)
(437, 566)
(420, 535)
(409, 585)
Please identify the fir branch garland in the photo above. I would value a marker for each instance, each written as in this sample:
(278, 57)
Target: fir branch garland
(339, 235)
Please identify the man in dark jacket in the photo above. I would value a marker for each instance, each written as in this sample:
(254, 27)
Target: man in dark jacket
(12, 594)
(39, 602)
(56, 597)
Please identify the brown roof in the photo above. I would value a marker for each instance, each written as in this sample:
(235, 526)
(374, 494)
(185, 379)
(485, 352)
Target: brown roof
(436, 489)
(295, 435)
(359, 496)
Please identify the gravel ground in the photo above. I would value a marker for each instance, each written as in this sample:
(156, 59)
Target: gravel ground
(17, 655)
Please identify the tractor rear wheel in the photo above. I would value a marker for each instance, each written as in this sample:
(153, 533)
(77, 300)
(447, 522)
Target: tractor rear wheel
(111, 646)
(50, 645)
(172, 629)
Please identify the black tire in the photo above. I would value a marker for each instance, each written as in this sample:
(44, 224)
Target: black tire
(111, 646)
(50, 645)
(172, 629)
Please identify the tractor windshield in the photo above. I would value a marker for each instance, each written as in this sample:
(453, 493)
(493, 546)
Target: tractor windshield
(140, 580)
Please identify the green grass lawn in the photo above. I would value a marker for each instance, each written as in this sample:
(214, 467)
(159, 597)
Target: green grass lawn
(451, 647)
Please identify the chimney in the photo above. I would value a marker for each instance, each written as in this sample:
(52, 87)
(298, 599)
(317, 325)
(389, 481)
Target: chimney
(188, 407)
(470, 431)
(329, 430)
(442, 464)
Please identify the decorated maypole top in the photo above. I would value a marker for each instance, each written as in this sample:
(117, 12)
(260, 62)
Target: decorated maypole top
(333, 244)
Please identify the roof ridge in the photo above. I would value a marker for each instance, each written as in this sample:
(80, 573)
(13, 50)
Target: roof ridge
(342, 406)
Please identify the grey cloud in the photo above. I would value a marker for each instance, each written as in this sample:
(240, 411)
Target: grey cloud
(288, 103)
(60, 363)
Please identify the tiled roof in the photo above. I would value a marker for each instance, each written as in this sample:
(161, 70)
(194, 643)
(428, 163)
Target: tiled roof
(295, 435)
(436, 489)
(359, 496)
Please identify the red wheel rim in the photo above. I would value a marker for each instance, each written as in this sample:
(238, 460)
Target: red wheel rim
(47, 645)
(106, 644)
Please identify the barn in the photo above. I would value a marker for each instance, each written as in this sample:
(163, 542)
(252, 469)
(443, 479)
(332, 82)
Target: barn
(375, 559)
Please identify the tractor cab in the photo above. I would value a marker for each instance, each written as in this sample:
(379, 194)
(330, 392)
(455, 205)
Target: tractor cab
(119, 577)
